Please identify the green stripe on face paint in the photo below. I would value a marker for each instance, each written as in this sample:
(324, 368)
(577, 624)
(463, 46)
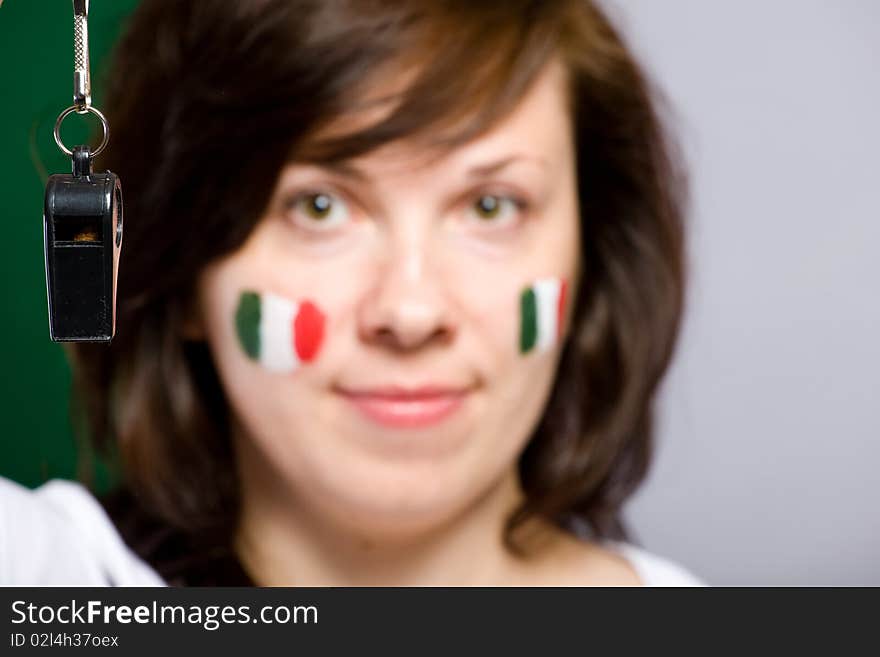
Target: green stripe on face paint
(528, 305)
(247, 323)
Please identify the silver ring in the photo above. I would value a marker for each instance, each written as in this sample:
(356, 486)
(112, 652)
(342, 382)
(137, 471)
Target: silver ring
(78, 110)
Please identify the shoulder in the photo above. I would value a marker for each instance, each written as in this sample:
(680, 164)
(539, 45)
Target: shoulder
(58, 534)
(574, 559)
(652, 569)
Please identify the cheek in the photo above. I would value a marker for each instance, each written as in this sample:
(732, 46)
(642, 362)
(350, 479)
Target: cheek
(522, 320)
(542, 312)
(278, 333)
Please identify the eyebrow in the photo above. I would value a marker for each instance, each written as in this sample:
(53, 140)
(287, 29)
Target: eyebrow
(485, 170)
(345, 168)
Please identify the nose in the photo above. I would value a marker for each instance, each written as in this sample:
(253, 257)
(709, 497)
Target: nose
(406, 309)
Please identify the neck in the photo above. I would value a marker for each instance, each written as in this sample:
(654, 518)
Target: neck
(281, 543)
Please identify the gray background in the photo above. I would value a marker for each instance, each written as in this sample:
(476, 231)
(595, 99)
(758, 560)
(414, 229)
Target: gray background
(767, 468)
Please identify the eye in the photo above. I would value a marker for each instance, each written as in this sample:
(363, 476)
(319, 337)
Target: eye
(496, 209)
(319, 210)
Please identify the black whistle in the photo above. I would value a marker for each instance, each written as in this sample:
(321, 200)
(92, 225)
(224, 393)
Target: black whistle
(82, 238)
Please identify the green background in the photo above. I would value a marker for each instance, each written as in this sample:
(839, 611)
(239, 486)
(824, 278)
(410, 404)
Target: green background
(36, 74)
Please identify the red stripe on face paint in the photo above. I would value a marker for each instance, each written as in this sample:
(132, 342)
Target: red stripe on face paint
(308, 330)
(560, 308)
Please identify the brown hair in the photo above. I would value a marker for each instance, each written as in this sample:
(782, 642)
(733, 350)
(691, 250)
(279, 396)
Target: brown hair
(208, 100)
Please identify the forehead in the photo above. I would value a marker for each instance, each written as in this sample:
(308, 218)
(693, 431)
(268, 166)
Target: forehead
(538, 125)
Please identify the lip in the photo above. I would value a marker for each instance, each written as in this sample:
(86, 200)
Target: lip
(407, 407)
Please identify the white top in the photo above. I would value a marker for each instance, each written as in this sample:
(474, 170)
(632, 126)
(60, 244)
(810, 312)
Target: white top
(60, 535)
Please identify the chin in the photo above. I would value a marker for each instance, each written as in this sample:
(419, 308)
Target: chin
(390, 503)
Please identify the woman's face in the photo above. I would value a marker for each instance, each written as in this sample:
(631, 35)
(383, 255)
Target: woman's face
(389, 333)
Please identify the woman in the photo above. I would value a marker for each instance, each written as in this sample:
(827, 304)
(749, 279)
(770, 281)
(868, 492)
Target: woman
(398, 285)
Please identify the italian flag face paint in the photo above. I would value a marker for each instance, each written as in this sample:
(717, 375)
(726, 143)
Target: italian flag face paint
(277, 332)
(542, 311)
